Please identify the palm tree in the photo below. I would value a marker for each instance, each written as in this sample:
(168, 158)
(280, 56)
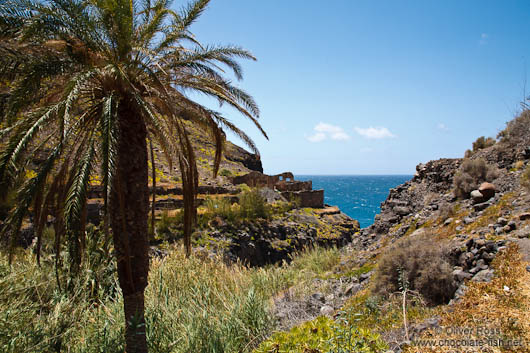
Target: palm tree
(90, 83)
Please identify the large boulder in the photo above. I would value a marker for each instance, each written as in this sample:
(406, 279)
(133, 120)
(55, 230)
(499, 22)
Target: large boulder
(477, 196)
(487, 190)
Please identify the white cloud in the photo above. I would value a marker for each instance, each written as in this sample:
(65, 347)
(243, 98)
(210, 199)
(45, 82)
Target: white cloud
(483, 39)
(374, 132)
(324, 131)
(442, 127)
(319, 136)
(340, 136)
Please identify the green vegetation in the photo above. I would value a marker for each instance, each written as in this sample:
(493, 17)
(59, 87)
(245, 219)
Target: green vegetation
(192, 304)
(219, 207)
(324, 335)
(252, 205)
(225, 172)
(374, 313)
(88, 83)
(169, 227)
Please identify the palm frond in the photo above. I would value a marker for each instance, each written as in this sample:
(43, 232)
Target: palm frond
(27, 194)
(76, 197)
(110, 134)
(191, 13)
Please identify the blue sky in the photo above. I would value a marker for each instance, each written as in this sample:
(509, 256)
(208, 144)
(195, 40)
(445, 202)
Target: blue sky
(374, 87)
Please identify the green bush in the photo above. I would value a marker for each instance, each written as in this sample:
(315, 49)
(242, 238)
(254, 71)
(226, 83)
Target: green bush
(220, 207)
(471, 174)
(422, 262)
(225, 172)
(252, 205)
(169, 227)
(324, 335)
(192, 304)
(83, 314)
(243, 187)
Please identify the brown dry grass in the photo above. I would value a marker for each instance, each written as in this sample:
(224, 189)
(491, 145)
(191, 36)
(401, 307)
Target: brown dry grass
(489, 305)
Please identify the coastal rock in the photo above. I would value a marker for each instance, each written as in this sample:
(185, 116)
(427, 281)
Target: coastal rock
(522, 232)
(460, 291)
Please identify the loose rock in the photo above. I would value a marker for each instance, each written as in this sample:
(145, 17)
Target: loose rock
(327, 310)
(487, 190)
(483, 276)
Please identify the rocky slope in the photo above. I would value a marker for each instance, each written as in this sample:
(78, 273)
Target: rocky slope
(483, 236)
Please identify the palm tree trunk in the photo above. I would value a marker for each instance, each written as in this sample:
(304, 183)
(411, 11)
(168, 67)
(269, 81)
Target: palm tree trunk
(128, 217)
(153, 203)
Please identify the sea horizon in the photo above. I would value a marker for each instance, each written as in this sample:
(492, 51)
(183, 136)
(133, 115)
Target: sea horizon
(359, 196)
(398, 174)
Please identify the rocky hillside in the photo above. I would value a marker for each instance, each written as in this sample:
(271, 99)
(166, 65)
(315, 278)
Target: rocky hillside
(235, 161)
(459, 231)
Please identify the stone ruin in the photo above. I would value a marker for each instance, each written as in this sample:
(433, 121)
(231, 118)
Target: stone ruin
(286, 185)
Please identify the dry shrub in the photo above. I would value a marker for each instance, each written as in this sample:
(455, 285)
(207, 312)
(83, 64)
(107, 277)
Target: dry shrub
(501, 306)
(447, 210)
(482, 143)
(471, 174)
(516, 131)
(424, 263)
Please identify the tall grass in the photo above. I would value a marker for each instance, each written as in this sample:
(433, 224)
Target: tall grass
(192, 305)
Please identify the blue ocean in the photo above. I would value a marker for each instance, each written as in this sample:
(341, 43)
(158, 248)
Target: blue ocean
(359, 196)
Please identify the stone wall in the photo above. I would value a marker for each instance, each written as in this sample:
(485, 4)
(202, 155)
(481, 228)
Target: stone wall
(257, 179)
(307, 198)
(294, 185)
